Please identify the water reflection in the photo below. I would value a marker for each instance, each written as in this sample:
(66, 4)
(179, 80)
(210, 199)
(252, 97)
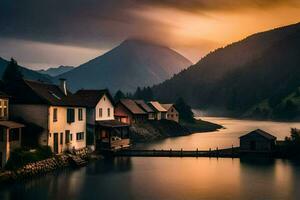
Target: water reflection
(110, 165)
(174, 178)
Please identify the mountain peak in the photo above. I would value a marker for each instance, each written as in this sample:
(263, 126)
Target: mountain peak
(140, 42)
(133, 63)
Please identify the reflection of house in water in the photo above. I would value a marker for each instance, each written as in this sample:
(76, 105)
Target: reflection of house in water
(257, 141)
(103, 131)
(110, 165)
(10, 131)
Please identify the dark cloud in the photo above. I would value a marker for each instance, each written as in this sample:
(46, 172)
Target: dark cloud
(223, 5)
(90, 23)
(95, 23)
(101, 24)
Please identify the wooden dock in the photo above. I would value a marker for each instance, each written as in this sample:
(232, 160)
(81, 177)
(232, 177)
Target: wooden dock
(222, 153)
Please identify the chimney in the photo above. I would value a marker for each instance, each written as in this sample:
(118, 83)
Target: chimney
(63, 85)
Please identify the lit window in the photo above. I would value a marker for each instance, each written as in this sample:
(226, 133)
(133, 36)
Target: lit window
(3, 108)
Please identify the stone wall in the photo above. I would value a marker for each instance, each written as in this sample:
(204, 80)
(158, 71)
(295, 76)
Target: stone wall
(44, 166)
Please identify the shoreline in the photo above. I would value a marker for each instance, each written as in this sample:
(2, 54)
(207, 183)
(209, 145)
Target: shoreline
(163, 129)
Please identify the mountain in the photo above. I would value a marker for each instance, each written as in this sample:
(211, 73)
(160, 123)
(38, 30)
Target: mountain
(55, 71)
(27, 73)
(133, 63)
(264, 67)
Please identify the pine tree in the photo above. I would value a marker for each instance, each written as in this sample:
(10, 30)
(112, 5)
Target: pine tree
(119, 95)
(12, 73)
(185, 111)
(138, 93)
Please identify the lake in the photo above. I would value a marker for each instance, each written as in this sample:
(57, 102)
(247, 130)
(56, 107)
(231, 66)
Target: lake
(175, 178)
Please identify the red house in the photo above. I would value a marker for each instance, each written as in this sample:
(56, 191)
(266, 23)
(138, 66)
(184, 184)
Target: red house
(127, 111)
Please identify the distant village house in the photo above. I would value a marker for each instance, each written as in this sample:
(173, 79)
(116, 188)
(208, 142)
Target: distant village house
(172, 113)
(127, 111)
(159, 111)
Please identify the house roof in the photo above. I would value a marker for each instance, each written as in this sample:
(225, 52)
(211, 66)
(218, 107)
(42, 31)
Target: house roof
(111, 123)
(35, 92)
(167, 106)
(132, 107)
(261, 133)
(157, 106)
(144, 106)
(11, 124)
(90, 98)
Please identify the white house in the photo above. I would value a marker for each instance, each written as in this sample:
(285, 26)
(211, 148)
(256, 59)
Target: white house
(103, 131)
(172, 113)
(54, 109)
(10, 131)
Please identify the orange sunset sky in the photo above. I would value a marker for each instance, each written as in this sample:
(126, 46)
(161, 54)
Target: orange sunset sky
(69, 32)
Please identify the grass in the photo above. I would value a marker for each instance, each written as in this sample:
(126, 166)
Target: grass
(21, 157)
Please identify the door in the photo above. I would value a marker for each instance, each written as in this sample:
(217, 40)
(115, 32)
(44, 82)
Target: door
(55, 143)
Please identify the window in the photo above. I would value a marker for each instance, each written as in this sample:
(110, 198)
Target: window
(80, 136)
(80, 115)
(108, 112)
(67, 135)
(71, 136)
(61, 138)
(55, 115)
(13, 134)
(70, 115)
(3, 108)
(100, 112)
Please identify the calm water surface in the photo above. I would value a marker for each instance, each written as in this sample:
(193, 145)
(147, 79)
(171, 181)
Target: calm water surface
(175, 178)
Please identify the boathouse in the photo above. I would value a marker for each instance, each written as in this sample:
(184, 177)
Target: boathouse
(257, 141)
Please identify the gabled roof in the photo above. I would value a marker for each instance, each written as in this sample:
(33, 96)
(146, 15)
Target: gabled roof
(261, 133)
(167, 106)
(90, 98)
(144, 106)
(132, 107)
(35, 92)
(157, 106)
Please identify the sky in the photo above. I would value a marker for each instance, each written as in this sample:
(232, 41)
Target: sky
(49, 33)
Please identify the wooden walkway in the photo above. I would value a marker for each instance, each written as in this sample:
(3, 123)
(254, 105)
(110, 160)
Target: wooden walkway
(223, 153)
